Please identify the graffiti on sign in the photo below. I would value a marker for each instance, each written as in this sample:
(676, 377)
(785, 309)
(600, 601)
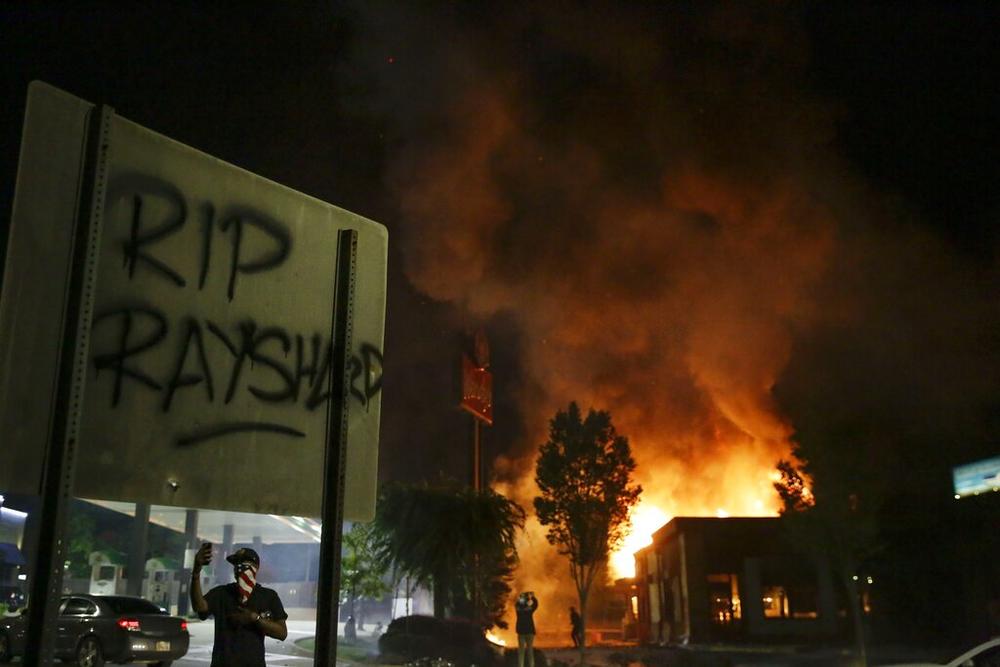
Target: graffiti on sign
(206, 294)
(143, 348)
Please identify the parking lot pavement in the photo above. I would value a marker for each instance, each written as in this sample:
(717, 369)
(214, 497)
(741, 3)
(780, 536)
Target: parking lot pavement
(277, 653)
(701, 656)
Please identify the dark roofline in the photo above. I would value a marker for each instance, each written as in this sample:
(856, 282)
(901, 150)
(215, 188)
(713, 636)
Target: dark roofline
(679, 522)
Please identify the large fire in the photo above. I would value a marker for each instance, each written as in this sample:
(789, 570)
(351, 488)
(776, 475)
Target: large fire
(657, 253)
(755, 498)
(741, 484)
(646, 519)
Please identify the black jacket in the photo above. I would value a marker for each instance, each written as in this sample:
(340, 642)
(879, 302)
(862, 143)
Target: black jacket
(525, 610)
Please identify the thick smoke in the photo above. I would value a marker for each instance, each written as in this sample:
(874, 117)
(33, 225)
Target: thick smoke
(650, 215)
(652, 196)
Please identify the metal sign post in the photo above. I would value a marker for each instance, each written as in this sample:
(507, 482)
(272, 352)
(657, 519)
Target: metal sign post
(61, 448)
(328, 593)
(477, 399)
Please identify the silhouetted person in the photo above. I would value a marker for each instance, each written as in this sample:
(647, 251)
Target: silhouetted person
(525, 608)
(576, 630)
(350, 629)
(244, 611)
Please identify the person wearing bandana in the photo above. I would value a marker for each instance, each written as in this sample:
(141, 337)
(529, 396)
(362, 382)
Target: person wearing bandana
(244, 610)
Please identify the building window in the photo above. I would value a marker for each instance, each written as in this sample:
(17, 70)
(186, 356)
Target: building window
(789, 602)
(803, 602)
(724, 598)
(775, 602)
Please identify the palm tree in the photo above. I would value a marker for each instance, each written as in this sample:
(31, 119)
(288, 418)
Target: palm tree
(457, 541)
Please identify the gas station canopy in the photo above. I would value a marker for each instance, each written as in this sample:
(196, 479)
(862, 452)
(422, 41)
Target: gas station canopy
(270, 528)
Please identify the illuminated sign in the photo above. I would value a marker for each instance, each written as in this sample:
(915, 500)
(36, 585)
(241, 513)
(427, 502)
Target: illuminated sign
(477, 391)
(972, 479)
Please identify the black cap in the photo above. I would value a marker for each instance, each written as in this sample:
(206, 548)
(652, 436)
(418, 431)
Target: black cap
(244, 555)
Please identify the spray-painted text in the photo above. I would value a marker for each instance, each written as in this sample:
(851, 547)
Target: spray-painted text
(209, 360)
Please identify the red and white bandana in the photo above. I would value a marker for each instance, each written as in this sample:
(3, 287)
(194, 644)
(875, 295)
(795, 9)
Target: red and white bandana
(246, 579)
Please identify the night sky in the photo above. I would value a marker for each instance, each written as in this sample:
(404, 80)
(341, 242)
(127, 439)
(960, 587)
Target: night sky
(732, 225)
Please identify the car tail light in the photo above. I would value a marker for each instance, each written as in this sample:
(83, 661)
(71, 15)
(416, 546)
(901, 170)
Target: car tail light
(184, 626)
(130, 624)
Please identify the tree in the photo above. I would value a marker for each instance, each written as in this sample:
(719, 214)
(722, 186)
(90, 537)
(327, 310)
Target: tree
(80, 543)
(832, 523)
(457, 541)
(584, 475)
(362, 573)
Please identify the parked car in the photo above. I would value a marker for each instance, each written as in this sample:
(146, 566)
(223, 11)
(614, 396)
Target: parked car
(94, 629)
(460, 642)
(986, 654)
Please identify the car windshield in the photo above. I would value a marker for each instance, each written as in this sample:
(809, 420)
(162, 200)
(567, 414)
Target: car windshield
(132, 606)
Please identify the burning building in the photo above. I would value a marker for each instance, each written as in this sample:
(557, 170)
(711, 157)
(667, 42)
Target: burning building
(733, 579)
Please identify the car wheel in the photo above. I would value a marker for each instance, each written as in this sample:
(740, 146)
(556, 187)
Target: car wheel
(165, 663)
(5, 655)
(88, 653)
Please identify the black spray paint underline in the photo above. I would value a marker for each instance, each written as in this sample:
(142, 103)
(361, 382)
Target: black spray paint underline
(223, 430)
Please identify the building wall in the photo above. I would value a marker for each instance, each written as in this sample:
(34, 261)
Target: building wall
(706, 580)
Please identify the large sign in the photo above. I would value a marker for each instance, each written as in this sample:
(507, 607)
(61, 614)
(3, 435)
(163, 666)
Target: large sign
(210, 336)
(972, 479)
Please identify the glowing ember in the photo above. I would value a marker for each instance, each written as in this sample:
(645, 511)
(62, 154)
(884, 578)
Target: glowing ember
(646, 520)
(495, 639)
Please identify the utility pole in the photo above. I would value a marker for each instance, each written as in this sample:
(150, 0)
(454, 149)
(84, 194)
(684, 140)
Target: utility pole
(477, 400)
(477, 466)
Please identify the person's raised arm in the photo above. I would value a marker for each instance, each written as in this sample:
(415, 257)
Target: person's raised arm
(198, 602)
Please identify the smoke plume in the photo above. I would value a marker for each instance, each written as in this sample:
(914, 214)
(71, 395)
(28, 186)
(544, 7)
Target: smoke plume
(655, 198)
(653, 219)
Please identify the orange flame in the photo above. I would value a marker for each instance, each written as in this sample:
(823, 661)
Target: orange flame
(496, 639)
(752, 496)
(646, 519)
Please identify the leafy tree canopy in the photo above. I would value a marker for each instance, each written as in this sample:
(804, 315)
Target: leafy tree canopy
(584, 476)
(362, 572)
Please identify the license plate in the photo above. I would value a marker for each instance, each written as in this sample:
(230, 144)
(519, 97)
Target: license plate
(162, 646)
